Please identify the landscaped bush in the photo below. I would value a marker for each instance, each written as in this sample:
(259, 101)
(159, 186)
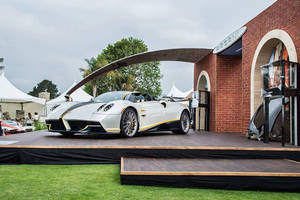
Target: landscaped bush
(39, 126)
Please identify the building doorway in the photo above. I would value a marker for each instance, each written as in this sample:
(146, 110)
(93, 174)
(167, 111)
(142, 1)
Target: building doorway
(202, 112)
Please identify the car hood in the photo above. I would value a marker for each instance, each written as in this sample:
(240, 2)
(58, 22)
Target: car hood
(82, 111)
(74, 110)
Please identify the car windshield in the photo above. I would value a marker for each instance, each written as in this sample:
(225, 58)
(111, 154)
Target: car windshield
(111, 96)
(10, 122)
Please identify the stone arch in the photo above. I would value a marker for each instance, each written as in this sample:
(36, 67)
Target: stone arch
(203, 79)
(203, 83)
(261, 56)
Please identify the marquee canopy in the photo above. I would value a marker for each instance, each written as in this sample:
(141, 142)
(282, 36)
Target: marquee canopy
(79, 95)
(175, 92)
(10, 94)
(191, 55)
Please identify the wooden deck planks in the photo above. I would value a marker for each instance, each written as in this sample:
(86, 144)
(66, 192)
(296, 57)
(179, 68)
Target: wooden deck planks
(211, 167)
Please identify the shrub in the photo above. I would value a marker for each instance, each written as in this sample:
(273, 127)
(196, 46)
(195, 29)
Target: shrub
(39, 126)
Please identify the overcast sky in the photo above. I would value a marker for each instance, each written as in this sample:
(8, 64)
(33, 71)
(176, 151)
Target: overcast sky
(49, 39)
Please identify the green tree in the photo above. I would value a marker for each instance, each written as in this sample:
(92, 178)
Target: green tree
(141, 77)
(90, 87)
(43, 86)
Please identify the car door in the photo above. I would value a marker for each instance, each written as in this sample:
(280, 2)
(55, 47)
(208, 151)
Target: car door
(152, 113)
(172, 111)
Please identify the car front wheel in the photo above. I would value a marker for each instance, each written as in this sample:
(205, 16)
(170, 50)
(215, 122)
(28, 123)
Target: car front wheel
(129, 123)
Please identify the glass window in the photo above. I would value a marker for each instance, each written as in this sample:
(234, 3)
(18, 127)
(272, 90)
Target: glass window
(111, 96)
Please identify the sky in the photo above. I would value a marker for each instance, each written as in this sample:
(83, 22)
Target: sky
(49, 39)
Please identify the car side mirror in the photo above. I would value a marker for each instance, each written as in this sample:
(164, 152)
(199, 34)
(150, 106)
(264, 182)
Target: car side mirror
(163, 103)
(68, 97)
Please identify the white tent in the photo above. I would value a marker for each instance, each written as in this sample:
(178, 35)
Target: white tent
(175, 92)
(188, 94)
(12, 99)
(78, 96)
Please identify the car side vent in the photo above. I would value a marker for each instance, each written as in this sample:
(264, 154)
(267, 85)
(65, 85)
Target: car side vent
(54, 107)
(101, 107)
(109, 106)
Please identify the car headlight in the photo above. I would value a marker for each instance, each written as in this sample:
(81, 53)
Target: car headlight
(101, 107)
(109, 106)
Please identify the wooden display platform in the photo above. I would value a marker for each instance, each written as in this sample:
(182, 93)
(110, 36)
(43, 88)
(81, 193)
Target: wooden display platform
(265, 174)
(199, 159)
(52, 148)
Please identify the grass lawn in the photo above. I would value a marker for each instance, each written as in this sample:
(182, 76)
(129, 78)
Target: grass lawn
(101, 182)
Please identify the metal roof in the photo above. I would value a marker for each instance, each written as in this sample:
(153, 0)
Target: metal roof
(191, 55)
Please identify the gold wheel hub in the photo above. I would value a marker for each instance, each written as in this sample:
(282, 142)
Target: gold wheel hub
(132, 124)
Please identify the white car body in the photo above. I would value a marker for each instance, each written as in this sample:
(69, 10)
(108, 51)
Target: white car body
(92, 117)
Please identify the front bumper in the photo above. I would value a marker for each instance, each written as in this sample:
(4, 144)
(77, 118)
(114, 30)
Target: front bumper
(76, 126)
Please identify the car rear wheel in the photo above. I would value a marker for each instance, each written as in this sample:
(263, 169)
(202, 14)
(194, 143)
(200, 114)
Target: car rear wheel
(129, 123)
(184, 125)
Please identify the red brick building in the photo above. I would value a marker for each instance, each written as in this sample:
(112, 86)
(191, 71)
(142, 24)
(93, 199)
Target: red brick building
(234, 79)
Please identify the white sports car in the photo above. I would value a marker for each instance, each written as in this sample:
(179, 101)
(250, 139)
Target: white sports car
(121, 112)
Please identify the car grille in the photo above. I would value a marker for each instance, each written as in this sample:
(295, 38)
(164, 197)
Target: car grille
(77, 125)
(56, 124)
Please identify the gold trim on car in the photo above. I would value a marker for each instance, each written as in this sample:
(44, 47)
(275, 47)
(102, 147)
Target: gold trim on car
(156, 124)
(114, 130)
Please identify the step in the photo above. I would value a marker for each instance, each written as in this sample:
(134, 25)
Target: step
(253, 174)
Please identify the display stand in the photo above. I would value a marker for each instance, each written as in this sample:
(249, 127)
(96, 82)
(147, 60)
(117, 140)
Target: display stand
(280, 81)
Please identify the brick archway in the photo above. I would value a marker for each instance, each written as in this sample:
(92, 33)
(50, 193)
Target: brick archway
(202, 79)
(262, 55)
(203, 83)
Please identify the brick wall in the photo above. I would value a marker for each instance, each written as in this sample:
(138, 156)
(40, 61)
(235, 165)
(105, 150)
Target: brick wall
(208, 64)
(230, 76)
(284, 15)
(229, 95)
(225, 104)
